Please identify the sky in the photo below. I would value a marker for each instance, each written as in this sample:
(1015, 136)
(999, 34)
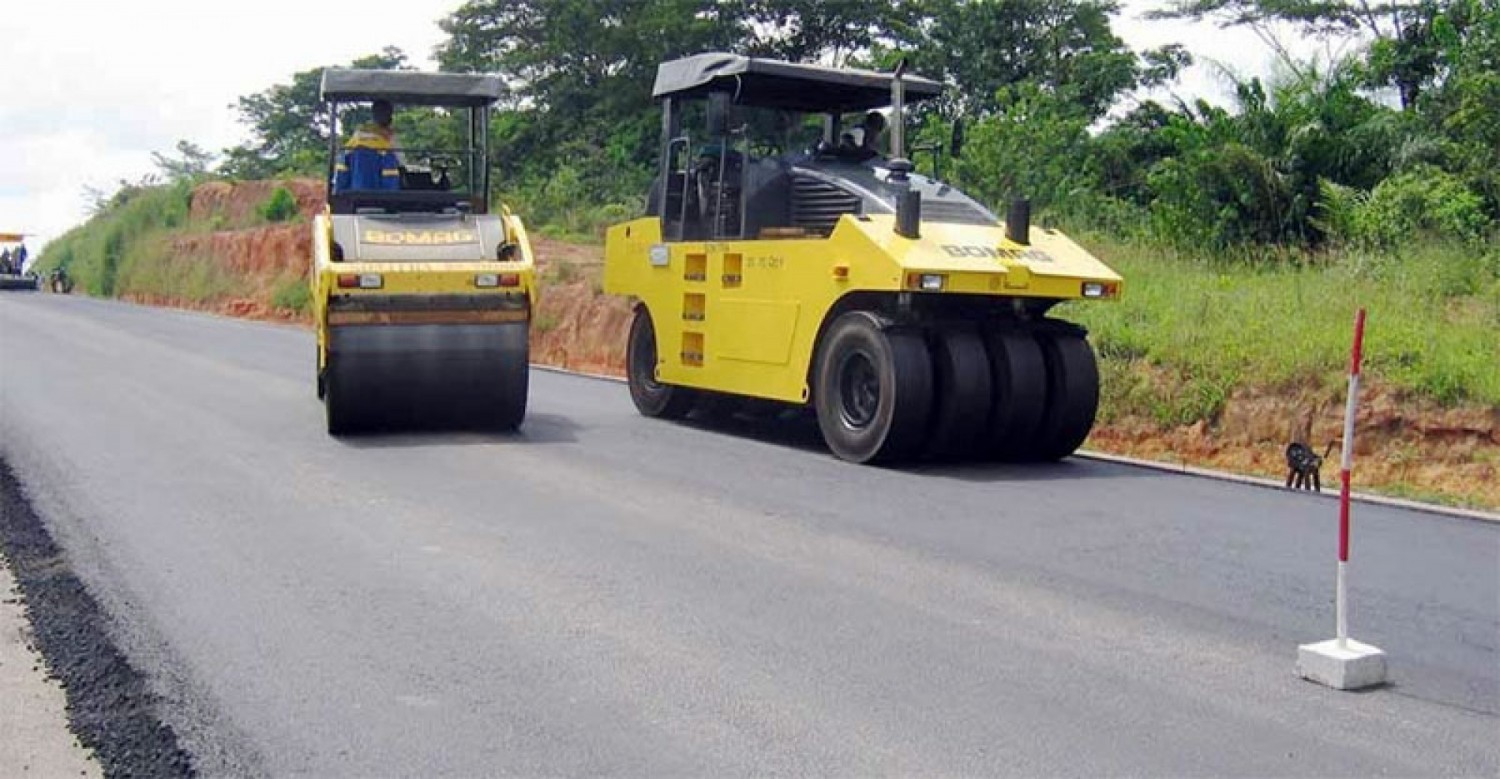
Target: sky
(88, 90)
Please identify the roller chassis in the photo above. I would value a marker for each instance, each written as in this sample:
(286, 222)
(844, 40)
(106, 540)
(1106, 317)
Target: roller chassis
(910, 337)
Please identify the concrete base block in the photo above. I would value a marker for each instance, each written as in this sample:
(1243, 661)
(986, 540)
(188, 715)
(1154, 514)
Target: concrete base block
(1352, 666)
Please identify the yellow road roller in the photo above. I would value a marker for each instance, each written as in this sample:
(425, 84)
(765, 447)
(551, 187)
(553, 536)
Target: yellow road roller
(422, 297)
(784, 257)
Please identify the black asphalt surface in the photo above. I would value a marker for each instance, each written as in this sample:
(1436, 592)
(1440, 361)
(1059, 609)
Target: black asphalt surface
(604, 593)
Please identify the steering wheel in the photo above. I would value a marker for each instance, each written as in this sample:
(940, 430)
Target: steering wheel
(439, 165)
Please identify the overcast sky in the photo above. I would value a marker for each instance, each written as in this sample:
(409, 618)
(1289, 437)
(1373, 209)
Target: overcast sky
(88, 89)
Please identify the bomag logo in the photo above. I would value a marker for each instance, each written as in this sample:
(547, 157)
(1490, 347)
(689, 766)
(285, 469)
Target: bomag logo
(995, 253)
(419, 237)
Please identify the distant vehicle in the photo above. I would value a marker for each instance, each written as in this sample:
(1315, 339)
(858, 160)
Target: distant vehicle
(59, 281)
(422, 298)
(13, 276)
(783, 258)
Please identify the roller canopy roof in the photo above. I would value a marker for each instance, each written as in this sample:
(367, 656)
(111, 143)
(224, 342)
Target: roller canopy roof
(411, 87)
(786, 85)
(12, 237)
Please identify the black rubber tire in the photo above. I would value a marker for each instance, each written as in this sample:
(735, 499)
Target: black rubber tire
(961, 394)
(1072, 393)
(506, 408)
(1018, 397)
(873, 390)
(342, 411)
(651, 397)
(322, 379)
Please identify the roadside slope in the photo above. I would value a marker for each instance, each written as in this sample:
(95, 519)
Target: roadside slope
(223, 256)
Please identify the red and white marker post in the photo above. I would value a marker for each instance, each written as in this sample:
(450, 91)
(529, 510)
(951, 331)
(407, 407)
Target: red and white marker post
(1343, 663)
(1346, 466)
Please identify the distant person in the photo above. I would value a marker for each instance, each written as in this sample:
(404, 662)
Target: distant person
(5, 261)
(19, 258)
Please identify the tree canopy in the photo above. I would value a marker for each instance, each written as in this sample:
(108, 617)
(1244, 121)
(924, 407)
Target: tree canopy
(1043, 85)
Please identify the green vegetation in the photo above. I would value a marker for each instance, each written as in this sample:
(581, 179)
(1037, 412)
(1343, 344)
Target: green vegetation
(1034, 80)
(102, 254)
(1188, 331)
(280, 206)
(292, 294)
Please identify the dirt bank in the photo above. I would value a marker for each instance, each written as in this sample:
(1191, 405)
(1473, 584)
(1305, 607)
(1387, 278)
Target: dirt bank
(1405, 446)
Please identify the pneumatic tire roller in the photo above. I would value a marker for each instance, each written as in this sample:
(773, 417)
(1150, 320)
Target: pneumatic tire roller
(819, 273)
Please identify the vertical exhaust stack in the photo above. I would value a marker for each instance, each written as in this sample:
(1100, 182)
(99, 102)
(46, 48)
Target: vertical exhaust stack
(908, 202)
(898, 115)
(1018, 221)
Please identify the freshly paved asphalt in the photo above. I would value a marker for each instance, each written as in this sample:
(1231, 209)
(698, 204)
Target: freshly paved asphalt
(604, 593)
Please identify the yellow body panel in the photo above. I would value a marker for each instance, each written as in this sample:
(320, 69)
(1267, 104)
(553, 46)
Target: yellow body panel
(412, 278)
(744, 316)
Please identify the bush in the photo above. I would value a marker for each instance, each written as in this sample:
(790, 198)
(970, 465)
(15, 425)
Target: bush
(1424, 201)
(281, 206)
(1220, 198)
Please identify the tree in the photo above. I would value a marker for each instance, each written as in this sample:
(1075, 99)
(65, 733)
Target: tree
(837, 32)
(1066, 47)
(580, 73)
(1403, 48)
(288, 132)
(1464, 106)
(192, 163)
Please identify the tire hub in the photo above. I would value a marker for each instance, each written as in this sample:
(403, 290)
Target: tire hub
(859, 390)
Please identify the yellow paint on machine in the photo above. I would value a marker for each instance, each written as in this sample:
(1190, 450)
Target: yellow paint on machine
(414, 278)
(743, 316)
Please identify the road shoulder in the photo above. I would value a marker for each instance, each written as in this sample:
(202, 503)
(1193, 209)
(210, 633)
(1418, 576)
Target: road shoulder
(34, 735)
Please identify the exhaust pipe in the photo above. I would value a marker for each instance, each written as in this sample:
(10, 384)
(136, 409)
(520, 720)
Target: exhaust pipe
(898, 112)
(1018, 222)
(908, 202)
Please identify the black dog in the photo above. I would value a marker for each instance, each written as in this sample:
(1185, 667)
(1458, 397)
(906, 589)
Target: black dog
(1303, 464)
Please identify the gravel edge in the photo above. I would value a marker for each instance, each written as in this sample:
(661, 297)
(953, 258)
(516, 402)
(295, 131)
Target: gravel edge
(111, 707)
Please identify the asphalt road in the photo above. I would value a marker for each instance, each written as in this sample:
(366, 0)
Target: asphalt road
(609, 594)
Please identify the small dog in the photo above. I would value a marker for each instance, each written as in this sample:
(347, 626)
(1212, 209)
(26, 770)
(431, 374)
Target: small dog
(1303, 464)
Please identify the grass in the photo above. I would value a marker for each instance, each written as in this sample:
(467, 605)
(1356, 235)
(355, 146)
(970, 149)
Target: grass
(292, 294)
(98, 253)
(1206, 327)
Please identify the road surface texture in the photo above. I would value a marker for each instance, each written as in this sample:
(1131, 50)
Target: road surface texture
(604, 593)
